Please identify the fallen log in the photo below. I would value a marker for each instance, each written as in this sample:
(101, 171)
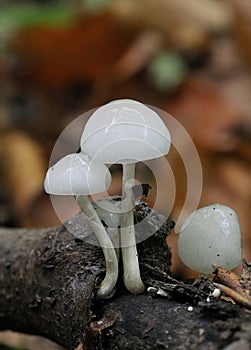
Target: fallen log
(49, 278)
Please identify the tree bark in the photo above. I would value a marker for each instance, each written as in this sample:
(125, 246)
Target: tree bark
(48, 281)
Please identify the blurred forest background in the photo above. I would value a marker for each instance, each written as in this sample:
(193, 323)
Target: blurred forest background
(59, 59)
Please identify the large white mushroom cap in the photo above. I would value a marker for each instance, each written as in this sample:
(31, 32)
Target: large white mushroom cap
(77, 174)
(125, 131)
(210, 235)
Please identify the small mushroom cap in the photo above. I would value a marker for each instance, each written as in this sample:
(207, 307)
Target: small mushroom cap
(210, 235)
(125, 131)
(76, 174)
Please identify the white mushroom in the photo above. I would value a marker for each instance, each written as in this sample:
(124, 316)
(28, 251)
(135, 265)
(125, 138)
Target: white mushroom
(109, 212)
(76, 174)
(210, 235)
(125, 132)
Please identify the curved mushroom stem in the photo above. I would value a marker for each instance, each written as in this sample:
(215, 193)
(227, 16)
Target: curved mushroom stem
(132, 277)
(110, 280)
(110, 213)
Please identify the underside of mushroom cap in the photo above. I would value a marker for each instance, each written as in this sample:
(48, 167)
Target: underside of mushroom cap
(77, 174)
(125, 131)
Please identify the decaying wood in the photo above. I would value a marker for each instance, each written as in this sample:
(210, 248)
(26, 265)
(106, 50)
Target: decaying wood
(48, 277)
(235, 286)
(48, 280)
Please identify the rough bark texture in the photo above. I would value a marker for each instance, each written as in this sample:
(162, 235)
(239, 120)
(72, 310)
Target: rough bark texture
(48, 279)
(46, 283)
(147, 323)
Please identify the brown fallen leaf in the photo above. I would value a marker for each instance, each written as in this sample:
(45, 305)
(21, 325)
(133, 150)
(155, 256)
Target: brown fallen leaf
(93, 334)
(96, 327)
(207, 115)
(175, 18)
(24, 168)
(244, 301)
(235, 286)
(245, 278)
(81, 52)
(242, 26)
(136, 56)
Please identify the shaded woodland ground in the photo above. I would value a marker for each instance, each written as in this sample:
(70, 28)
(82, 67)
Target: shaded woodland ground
(193, 61)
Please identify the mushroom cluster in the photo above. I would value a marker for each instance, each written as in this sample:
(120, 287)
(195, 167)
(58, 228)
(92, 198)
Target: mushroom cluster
(120, 132)
(126, 132)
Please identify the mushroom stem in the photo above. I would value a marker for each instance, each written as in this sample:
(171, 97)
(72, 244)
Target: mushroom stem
(132, 277)
(106, 244)
(110, 213)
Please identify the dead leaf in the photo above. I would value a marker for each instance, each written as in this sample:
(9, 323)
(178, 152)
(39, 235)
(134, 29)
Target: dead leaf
(82, 52)
(235, 286)
(24, 168)
(171, 16)
(96, 327)
(235, 176)
(242, 26)
(137, 55)
(245, 278)
(206, 114)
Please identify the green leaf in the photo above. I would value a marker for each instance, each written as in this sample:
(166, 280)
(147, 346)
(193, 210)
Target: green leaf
(167, 69)
(27, 15)
(96, 5)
